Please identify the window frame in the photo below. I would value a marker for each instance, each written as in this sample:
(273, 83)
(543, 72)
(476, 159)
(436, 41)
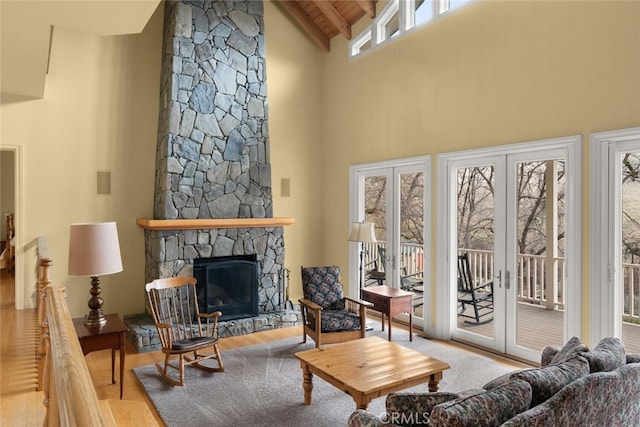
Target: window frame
(405, 10)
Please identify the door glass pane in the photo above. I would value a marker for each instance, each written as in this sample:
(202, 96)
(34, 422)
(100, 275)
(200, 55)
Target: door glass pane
(631, 251)
(375, 211)
(475, 238)
(540, 301)
(411, 256)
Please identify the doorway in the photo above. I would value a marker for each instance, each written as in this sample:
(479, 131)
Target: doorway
(392, 196)
(11, 203)
(615, 237)
(505, 215)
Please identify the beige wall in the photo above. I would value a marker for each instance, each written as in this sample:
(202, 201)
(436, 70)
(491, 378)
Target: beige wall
(294, 73)
(492, 73)
(99, 113)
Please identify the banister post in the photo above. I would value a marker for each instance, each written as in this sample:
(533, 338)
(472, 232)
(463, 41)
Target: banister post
(44, 264)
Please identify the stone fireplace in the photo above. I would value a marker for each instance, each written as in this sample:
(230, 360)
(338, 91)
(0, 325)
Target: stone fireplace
(213, 176)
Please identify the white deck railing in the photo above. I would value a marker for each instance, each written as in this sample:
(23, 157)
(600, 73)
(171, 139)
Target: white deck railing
(411, 257)
(631, 301)
(531, 278)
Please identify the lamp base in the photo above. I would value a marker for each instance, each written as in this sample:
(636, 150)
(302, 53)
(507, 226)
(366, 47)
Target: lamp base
(93, 320)
(95, 316)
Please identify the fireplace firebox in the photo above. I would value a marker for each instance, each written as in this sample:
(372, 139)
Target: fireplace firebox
(228, 284)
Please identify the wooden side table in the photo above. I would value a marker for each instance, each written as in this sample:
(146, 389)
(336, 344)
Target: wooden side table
(390, 302)
(110, 336)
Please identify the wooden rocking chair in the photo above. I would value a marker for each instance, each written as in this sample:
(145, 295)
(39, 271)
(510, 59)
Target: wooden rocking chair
(184, 332)
(477, 295)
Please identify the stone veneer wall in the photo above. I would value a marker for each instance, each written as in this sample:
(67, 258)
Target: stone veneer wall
(212, 157)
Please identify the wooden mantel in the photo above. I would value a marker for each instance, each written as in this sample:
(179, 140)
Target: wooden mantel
(196, 224)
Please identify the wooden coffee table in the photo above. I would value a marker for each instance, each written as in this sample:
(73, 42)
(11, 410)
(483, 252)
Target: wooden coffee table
(368, 368)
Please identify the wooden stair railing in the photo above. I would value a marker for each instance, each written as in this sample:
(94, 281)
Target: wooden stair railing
(70, 396)
(63, 374)
(10, 255)
(44, 264)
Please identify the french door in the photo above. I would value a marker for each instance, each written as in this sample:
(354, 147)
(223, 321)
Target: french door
(615, 237)
(392, 195)
(506, 209)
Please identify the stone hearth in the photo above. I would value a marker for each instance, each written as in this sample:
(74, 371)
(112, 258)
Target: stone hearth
(144, 337)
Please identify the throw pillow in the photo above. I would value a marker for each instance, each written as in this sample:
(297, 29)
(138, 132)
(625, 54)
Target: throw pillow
(487, 408)
(413, 409)
(633, 358)
(570, 349)
(503, 379)
(608, 355)
(548, 380)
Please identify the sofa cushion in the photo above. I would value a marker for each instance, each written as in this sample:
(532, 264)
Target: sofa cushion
(410, 409)
(600, 399)
(633, 358)
(608, 355)
(411, 403)
(548, 380)
(322, 286)
(571, 348)
(339, 320)
(484, 408)
(503, 379)
(362, 418)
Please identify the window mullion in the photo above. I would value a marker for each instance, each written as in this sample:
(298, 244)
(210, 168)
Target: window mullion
(407, 15)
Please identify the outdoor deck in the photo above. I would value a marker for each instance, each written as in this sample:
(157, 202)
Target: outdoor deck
(539, 327)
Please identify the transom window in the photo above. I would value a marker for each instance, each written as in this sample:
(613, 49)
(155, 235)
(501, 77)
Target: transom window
(398, 17)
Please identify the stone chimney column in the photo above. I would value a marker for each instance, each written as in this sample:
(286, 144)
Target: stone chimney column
(212, 158)
(212, 153)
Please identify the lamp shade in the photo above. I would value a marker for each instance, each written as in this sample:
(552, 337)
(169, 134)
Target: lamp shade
(94, 249)
(362, 232)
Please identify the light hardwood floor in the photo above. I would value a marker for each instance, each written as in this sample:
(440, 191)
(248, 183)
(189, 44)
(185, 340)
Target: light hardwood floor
(21, 405)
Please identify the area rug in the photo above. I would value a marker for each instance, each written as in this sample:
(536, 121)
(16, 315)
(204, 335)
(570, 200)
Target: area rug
(262, 386)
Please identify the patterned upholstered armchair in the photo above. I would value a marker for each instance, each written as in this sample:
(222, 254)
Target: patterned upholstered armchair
(327, 315)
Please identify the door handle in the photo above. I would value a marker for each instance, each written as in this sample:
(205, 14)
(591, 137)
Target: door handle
(499, 277)
(507, 279)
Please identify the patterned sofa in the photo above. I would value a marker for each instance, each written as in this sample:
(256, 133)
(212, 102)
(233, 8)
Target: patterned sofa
(574, 386)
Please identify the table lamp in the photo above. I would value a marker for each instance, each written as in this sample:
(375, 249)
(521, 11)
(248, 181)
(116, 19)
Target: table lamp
(94, 250)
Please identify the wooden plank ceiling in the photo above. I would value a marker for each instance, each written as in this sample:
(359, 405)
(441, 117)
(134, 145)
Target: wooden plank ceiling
(322, 20)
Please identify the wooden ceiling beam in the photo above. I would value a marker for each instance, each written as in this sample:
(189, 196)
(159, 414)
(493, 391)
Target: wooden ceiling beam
(306, 23)
(334, 17)
(369, 6)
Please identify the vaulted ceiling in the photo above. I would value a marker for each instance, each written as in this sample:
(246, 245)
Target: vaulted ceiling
(26, 28)
(322, 20)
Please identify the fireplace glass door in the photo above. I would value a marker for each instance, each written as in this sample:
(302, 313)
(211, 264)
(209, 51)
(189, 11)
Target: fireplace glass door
(227, 284)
